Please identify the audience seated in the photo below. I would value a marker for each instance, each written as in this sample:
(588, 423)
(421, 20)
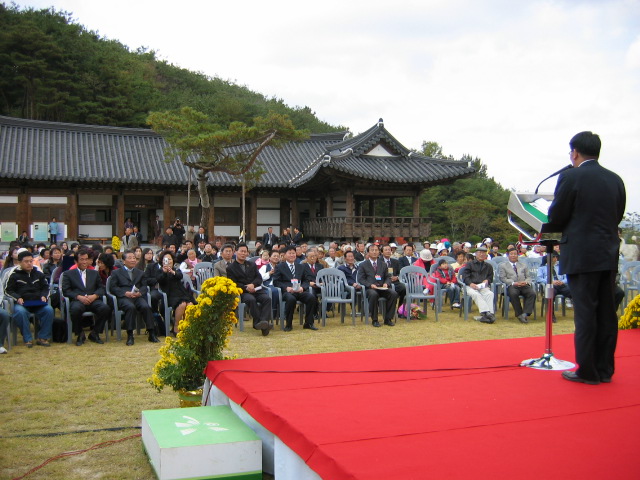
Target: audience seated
(477, 276)
(515, 275)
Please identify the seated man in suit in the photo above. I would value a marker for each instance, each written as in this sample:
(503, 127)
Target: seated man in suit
(393, 266)
(515, 275)
(84, 290)
(293, 280)
(129, 286)
(29, 289)
(374, 276)
(267, 272)
(246, 276)
(201, 237)
(477, 275)
(408, 258)
(350, 270)
(226, 254)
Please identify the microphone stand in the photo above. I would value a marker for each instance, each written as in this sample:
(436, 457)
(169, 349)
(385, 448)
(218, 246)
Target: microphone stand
(547, 361)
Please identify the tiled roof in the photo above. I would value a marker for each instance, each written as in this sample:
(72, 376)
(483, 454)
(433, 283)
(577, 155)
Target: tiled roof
(36, 150)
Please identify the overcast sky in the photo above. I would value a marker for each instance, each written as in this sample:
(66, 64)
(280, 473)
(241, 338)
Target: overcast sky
(509, 82)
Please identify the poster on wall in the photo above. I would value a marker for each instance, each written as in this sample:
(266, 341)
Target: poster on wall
(40, 232)
(9, 231)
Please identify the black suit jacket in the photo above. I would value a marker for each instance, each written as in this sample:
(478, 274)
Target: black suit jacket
(404, 261)
(367, 276)
(244, 274)
(72, 285)
(395, 265)
(282, 277)
(588, 205)
(122, 284)
(198, 236)
(269, 239)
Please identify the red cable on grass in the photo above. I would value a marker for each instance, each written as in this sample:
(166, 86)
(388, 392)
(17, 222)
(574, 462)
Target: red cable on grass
(77, 452)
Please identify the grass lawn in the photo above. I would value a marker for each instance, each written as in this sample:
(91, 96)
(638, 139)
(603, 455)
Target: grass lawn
(68, 389)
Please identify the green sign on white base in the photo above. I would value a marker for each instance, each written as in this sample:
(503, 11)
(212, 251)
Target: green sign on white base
(201, 443)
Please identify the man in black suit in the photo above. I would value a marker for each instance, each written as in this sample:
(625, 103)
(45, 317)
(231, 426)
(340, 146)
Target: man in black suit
(374, 276)
(296, 239)
(287, 274)
(269, 239)
(588, 205)
(408, 258)
(84, 289)
(201, 237)
(246, 276)
(129, 287)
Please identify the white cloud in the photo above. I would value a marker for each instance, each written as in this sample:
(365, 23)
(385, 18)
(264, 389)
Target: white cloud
(509, 82)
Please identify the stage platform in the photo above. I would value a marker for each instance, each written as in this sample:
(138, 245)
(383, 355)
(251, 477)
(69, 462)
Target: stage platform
(455, 411)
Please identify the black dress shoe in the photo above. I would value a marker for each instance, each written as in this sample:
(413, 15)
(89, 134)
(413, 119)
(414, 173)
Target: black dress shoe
(95, 338)
(376, 323)
(310, 326)
(265, 331)
(389, 323)
(130, 339)
(152, 337)
(288, 328)
(81, 339)
(573, 377)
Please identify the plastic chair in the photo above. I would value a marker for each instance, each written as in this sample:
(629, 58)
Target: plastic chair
(413, 278)
(65, 303)
(202, 271)
(334, 289)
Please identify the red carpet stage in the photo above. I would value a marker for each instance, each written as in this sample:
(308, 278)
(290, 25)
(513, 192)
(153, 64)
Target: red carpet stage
(456, 421)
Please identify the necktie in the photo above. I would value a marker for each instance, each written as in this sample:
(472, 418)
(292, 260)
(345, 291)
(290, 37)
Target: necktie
(388, 263)
(375, 266)
(515, 269)
(130, 274)
(313, 269)
(293, 269)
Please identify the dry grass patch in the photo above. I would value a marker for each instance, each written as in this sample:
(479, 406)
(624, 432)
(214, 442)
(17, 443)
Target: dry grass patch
(67, 388)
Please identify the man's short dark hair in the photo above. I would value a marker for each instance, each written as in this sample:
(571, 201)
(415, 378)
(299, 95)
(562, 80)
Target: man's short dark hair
(586, 144)
(290, 247)
(227, 245)
(80, 251)
(24, 254)
(127, 252)
(241, 244)
(512, 249)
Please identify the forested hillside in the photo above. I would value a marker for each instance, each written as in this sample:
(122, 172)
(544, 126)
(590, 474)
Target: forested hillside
(51, 68)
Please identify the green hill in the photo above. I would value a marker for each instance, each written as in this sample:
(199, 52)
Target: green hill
(53, 69)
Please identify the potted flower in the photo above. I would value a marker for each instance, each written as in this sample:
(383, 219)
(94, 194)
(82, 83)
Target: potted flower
(631, 316)
(203, 335)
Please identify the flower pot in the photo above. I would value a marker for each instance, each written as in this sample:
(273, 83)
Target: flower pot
(190, 398)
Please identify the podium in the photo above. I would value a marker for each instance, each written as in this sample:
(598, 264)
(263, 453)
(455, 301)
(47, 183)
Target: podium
(528, 213)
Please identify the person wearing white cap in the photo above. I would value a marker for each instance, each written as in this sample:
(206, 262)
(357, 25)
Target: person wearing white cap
(478, 277)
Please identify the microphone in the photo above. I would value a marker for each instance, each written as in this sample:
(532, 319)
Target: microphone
(553, 175)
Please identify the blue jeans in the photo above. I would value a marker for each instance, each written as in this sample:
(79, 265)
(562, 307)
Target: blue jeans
(21, 319)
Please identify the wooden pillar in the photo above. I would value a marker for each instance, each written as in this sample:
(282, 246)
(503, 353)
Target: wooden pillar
(392, 207)
(23, 212)
(372, 206)
(166, 210)
(312, 209)
(295, 217)
(120, 217)
(72, 214)
(350, 203)
(252, 228)
(329, 206)
(416, 205)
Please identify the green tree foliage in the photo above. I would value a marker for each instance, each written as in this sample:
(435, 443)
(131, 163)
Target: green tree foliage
(199, 143)
(51, 68)
(467, 208)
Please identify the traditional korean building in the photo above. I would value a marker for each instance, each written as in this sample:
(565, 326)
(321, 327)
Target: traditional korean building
(92, 178)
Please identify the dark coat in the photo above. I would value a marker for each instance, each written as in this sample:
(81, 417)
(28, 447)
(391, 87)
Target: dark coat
(588, 205)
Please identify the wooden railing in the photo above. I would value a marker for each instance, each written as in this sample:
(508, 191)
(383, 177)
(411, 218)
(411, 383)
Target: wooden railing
(366, 227)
